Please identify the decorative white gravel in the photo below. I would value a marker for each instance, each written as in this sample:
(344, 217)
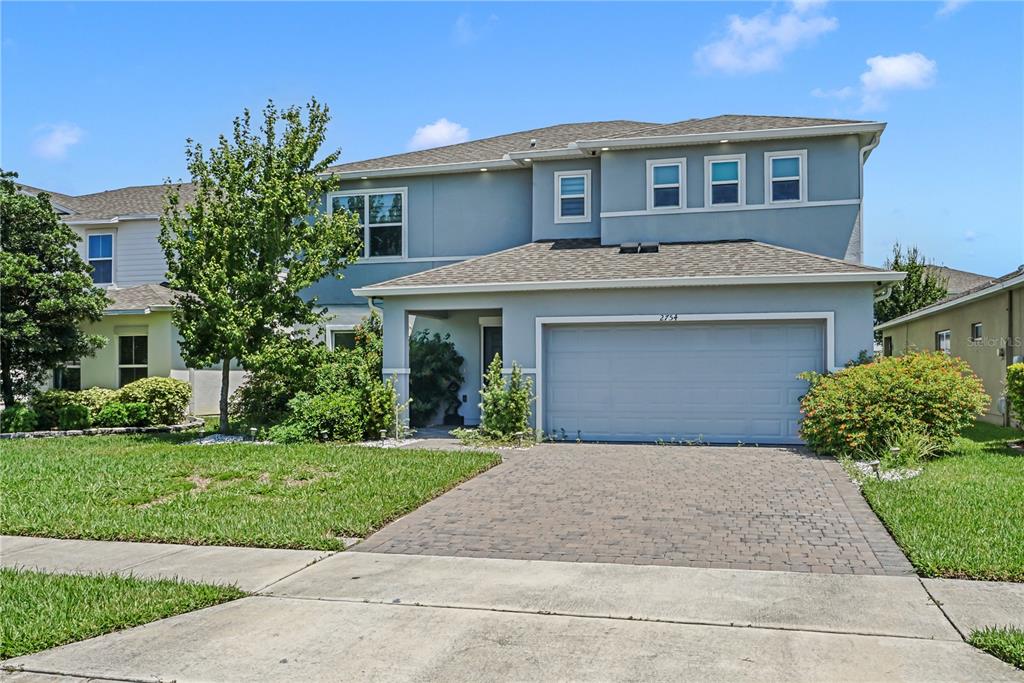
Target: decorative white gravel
(388, 443)
(868, 470)
(213, 439)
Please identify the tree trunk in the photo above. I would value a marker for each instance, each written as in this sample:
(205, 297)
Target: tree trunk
(225, 383)
(6, 384)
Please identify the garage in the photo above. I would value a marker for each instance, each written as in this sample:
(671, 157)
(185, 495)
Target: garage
(719, 382)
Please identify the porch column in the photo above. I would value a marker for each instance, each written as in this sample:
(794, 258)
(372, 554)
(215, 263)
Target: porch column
(397, 328)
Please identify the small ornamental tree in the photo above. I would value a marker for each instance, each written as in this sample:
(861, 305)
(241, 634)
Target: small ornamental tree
(505, 406)
(922, 287)
(253, 238)
(47, 292)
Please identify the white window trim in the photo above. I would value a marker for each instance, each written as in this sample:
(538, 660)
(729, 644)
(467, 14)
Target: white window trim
(130, 365)
(651, 163)
(981, 329)
(366, 258)
(741, 198)
(113, 250)
(329, 331)
(768, 156)
(949, 341)
(559, 218)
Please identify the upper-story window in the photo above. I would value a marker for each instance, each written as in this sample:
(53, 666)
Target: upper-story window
(785, 176)
(724, 180)
(101, 258)
(572, 191)
(382, 216)
(666, 184)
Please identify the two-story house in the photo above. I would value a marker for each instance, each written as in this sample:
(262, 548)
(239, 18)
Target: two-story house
(655, 281)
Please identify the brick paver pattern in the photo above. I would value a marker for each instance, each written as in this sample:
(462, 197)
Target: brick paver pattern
(696, 506)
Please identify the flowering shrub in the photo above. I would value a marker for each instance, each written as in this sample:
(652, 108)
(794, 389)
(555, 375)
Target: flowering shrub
(855, 411)
(1015, 390)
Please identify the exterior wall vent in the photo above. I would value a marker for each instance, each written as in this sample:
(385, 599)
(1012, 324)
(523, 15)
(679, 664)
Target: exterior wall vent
(648, 247)
(629, 248)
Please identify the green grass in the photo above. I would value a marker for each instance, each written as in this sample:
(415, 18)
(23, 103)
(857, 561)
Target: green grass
(1005, 643)
(39, 611)
(964, 515)
(151, 488)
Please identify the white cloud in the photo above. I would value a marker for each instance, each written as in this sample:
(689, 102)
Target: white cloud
(466, 30)
(909, 71)
(758, 43)
(439, 133)
(950, 7)
(844, 93)
(54, 139)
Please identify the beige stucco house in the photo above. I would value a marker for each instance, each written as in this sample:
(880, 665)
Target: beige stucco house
(984, 325)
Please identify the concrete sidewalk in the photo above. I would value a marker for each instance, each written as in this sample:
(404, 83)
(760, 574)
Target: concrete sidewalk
(251, 569)
(393, 617)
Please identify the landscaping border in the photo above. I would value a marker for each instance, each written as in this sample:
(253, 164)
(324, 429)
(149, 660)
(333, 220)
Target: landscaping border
(191, 423)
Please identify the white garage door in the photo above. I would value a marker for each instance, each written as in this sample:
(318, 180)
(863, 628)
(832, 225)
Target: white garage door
(719, 382)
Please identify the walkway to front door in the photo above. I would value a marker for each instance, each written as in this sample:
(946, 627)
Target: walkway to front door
(731, 507)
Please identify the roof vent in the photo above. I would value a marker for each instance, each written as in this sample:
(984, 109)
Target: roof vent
(629, 248)
(648, 247)
(533, 142)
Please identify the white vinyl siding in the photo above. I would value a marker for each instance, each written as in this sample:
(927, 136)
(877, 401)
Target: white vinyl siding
(140, 260)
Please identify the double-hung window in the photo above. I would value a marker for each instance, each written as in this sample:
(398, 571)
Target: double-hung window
(382, 218)
(977, 331)
(572, 192)
(666, 184)
(724, 180)
(101, 258)
(785, 176)
(132, 359)
(942, 341)
(341, 338)
(68, 377)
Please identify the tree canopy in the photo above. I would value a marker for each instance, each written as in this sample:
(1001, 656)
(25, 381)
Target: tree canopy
(46, 292)
(254, 237)
(922, 287)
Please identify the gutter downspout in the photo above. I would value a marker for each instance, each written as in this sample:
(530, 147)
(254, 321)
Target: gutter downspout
(864, 152)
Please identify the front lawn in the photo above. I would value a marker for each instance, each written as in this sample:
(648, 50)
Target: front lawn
(151, 488)
(39, 611)
(1005, 643)
(964, 515)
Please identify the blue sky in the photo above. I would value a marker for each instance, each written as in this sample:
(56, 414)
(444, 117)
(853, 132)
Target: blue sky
(103, 95)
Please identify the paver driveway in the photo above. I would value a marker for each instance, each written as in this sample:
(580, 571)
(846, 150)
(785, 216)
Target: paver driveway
(731, 507)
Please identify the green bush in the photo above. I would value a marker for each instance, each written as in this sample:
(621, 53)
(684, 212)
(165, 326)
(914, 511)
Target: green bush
(285, 367)
(1015, 390)
(906, 450)
(857, 410)
(335, 416)
(94, 398)
(74, 416)
(114, 414)
(166, 397)
(48, 405)
(18, 418)
(138, 414)
(435, 376)
(505, 406)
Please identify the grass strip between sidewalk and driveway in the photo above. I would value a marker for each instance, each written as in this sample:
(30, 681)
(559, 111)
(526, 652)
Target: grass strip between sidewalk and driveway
(154, 488)
(1005, 643)
(40, 611)
(963, 517)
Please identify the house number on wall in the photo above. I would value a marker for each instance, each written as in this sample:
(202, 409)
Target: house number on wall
(669, 316)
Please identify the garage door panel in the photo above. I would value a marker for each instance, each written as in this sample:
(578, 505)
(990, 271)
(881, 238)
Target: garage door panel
(722, 382)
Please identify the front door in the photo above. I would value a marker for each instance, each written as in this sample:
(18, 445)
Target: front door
(490, 346)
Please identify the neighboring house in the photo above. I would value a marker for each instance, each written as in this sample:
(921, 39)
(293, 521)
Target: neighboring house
(984, 325)
(655, 281)
(958, 281)
(119, 230)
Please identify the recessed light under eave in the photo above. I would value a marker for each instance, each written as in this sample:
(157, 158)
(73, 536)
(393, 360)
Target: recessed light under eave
(482, 170)
(723, 141)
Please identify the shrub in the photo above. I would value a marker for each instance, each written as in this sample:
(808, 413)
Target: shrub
(166, 397)
(114, 414)
(282, 369)
(856, 410)
(863, 358)
(1015, 390)
(435, 376)
(138, 414)
(94, 398)
(18, 418)
(336, 416)
(48, 405)
(906, 449)
(505, 406)
(74, 416)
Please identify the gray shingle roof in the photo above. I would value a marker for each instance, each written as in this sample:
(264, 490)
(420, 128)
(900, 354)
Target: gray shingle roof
(733, 123)
(140, 297)
(958, 281)
(993, 284)
(494, 148)
(587, 259)
(139, 200)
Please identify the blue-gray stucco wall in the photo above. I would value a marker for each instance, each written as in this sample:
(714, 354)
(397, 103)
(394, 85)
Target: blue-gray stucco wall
(544, 226)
